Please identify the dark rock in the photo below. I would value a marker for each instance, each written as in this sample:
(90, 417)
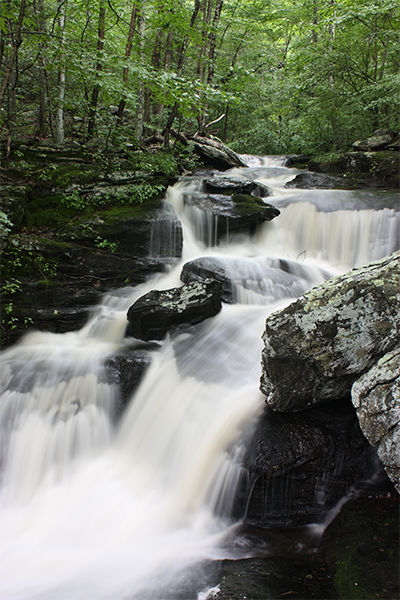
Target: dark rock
(230, 185)
(270, 279)
(296, 159)
(239, 213)
(156, 313)
(361, 547)
(301, 465)
(318, 346)
(309, 181)
(127, 369)
(208, 267)
(271, 577)
(368, 169)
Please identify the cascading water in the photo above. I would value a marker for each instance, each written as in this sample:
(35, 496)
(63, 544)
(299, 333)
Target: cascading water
(95, 509)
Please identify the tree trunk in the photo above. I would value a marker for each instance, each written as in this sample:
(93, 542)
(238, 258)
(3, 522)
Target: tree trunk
(181, 60)
(140, 100)
(16, 42)
(99, 67)
(125, 72)
(59, 121)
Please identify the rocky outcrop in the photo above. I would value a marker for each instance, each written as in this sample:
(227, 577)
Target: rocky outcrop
(375, 169)
(317, 347)
(380, 139)
(157, 312)
(376, 396)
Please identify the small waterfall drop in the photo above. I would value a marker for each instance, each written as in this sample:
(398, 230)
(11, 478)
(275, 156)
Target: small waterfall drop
(96, 508)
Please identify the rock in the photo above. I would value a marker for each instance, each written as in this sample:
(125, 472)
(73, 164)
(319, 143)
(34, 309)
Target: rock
(157, 312)
(238, 213)
(239, 185)
(365, 169)
(308, 180)
(300, 465)
(376, 396)
(379, 140)
(317, 347)
(217, 155)
(361, 546)
(127, 369)
(270, 279)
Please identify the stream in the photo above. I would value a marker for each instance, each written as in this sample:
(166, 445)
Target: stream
(93, 507)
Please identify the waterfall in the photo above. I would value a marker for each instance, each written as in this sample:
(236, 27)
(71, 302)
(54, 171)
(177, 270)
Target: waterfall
(92, 507)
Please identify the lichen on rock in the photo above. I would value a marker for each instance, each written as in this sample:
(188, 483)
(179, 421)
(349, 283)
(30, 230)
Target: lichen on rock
(318, 346)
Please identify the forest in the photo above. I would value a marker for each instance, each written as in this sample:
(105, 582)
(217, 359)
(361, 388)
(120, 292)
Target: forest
(264, 76)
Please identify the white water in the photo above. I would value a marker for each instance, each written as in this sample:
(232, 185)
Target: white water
(92, 510)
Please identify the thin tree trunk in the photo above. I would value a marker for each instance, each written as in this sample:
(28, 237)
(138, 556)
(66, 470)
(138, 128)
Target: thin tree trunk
(59, 121)
(181, 60)
(315, 22)
(16, 42)
(140, 100)
(128, 51)
(99, 67)
(210, 57)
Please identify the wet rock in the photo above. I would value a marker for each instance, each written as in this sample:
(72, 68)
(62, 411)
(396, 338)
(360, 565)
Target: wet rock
(317, 347)
(269, 578)
(270, 279)
(376, 396)
(156, 313)
(300, 465)
(230, 185)
(127, 369)
(208, 267)
(308, 180)
(361, 547)
(238, 213)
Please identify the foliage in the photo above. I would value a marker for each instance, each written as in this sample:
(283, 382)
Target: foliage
(289, 77)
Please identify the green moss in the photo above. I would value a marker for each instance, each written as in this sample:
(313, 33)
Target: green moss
(246, 203)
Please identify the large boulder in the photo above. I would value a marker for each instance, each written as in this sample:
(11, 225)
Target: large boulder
(236, 213)
(215, 154)
(239, 276)
(300, 465)
(317, 347)
(380, 139)
(376, 396)
(157, 312)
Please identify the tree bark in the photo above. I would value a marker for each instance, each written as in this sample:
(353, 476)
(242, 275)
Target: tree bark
(125, 72)
(59, 121)
(99, 67)
(16, 42)
(174, 111)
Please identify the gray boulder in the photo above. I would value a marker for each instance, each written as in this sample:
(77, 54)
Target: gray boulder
(157, 312)
(317, 347)
(376, 396)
